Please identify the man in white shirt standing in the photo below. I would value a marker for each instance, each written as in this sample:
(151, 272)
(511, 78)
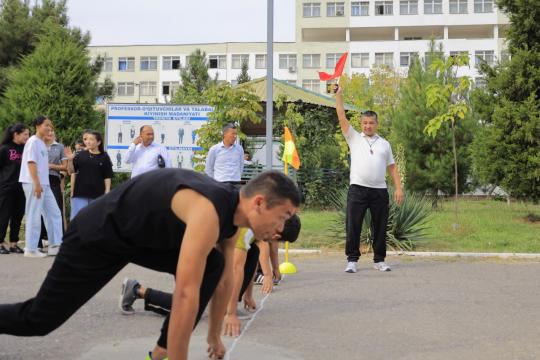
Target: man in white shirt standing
(371, 157)
(144, 154)
(40, 200)
(225, 161)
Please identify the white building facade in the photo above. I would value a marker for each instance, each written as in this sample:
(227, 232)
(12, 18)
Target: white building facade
(374, 32)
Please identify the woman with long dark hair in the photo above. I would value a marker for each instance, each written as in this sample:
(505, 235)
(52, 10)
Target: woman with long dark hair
(40, 199)
(11, 192)
(93, 169)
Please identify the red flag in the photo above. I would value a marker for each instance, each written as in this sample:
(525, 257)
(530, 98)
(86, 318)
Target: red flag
(337, 71)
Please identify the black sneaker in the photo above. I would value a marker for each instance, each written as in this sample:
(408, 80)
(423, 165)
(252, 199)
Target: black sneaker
(16, 250)
(3, 250)
(128, 296)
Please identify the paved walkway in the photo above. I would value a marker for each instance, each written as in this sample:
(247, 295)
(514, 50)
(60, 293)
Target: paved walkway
(427, 308)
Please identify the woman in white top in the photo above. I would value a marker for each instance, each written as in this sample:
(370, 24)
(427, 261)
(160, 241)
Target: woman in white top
(40, 200)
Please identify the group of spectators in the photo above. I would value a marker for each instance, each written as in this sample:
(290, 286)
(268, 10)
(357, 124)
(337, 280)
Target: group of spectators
(32, 184)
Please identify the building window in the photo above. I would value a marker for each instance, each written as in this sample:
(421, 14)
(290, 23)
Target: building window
(335, 9)
(384, 7)
(171, 63)
(486, 55)
(126, 64)
(360, 60)
(260, 61)
(505, 56)
(360, 8)
(480, 82)
(384, 59)
(483, 6)
(291, 82)
(107, 64)
(217, 61)
(169, 87)
(312, 85)
(412, 38)
(234, 82)
(287, 61)
(332, 59)
(408, 7)
(238, 60)
(458, 7)
(126, 89)
(148, 88)
(311, 61)
(312, 10)
(148, 63)
(430, 56)
(405, 58)
(455, 54)
(432, 6)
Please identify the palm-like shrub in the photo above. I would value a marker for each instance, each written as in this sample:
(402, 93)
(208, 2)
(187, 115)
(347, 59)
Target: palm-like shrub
(406, 223)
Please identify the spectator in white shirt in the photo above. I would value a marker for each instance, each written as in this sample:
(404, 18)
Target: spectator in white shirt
(225, 161)
(144, 154)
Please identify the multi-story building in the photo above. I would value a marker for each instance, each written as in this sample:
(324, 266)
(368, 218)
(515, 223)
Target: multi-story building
(374, 32)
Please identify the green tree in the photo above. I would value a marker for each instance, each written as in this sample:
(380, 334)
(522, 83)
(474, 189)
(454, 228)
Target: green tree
(449, 97)
(58, 80)
(506, 152)
(195, 80)
(428, 162)
(106, 89)
(243, 77)
(20, 27)
(231, 105)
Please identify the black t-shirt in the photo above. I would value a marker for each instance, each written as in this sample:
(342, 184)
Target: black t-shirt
(138, 214)
(92, 170)
(10, 166)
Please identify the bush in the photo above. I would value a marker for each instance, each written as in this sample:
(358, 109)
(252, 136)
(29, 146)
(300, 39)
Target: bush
(407, 224)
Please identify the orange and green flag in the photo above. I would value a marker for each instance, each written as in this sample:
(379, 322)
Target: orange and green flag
(290, 155)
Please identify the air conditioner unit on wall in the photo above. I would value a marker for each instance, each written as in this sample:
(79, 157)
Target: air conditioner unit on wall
(292, 69)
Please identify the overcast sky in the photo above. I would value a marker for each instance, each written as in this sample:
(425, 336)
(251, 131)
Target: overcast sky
(128, 22)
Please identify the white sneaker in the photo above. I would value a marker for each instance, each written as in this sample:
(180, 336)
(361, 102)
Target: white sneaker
(34, 254)
(53, 250)
(351, 267)
(381, 266)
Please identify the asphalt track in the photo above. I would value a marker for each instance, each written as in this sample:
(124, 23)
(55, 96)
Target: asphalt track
(426, 308)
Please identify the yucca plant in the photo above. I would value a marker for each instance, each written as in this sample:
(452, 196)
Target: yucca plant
(407, 223)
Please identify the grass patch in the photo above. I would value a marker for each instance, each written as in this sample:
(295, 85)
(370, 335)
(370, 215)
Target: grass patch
(484, 226)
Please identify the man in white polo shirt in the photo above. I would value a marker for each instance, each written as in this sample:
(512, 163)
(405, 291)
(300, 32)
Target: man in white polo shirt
(371, 157)
(145, 155)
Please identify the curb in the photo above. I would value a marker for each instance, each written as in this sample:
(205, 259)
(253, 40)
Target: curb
(467, 254)
(435, 254)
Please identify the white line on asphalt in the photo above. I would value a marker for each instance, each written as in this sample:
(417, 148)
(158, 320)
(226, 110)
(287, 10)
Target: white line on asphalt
(235, 342)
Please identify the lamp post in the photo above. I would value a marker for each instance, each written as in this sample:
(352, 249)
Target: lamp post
(269, 82)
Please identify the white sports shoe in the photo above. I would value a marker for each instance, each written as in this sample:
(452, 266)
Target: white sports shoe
(351, 267)
(34, 254)
(381, 266)
(53, 250)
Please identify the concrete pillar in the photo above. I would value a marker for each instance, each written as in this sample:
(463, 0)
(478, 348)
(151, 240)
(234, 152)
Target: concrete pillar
(396, 33)
(347, 34)
(446, 33)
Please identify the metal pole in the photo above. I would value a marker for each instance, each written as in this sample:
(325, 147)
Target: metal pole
(269, 82)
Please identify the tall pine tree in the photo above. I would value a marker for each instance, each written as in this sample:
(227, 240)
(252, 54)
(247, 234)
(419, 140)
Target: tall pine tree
(507, 150)
(429, 162)
(57, 80)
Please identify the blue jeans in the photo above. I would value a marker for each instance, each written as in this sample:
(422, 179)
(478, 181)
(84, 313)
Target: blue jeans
(77, 203)
(47, 207)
